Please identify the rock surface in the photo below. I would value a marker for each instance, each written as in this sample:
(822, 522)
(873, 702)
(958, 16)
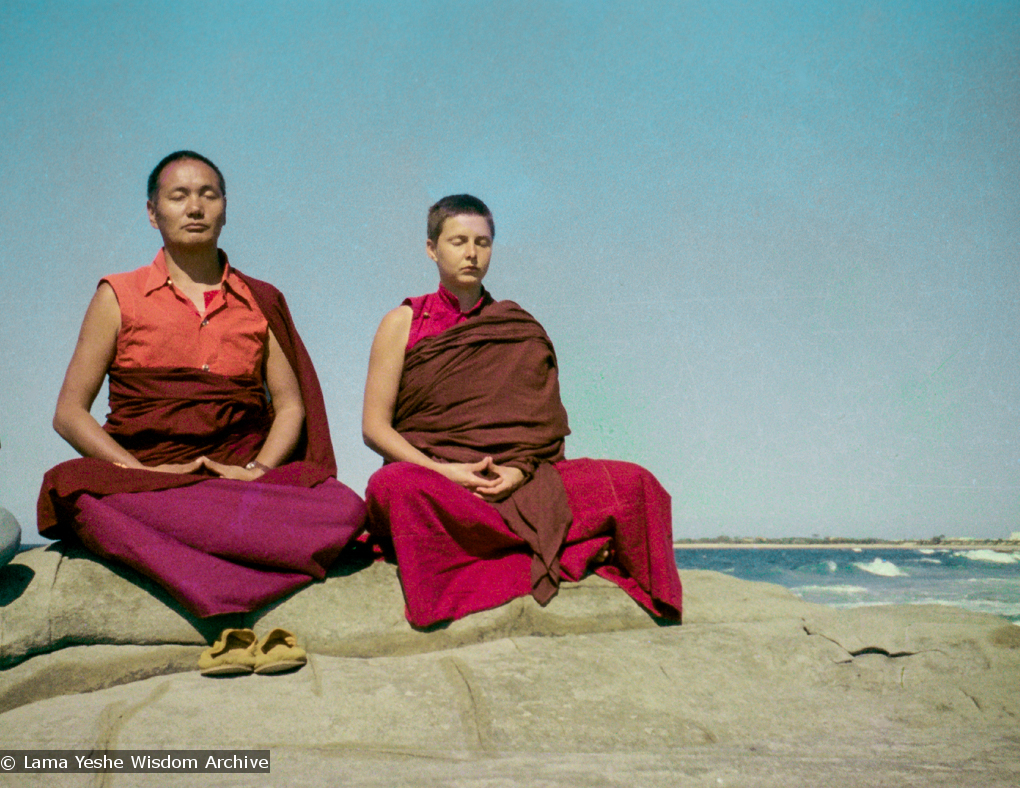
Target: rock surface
(757, 688)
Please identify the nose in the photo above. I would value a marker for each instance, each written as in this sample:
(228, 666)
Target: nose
(194, 206)
(470, 250)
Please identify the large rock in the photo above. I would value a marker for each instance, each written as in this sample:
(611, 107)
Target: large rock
(756, 688)
(10, 536)
(62, 596)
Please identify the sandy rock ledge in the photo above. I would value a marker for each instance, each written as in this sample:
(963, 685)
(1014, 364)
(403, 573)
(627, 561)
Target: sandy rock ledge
(757, 688)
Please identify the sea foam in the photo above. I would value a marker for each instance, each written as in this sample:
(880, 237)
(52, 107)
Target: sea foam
(880, 566)
(992, 556)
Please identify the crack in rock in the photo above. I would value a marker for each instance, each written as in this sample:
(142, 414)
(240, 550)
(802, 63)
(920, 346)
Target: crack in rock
(882, 651)
(474, 711)
(869, 649)
(49, 601)
(112, 721)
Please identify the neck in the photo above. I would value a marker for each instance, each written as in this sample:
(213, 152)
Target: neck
(200, 266)
(466, 297)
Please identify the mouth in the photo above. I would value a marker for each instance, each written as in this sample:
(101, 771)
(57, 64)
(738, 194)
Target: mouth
(196, 227)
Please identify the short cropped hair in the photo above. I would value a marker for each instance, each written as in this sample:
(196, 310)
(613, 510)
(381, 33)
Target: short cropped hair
(177, 156)
(457, 205)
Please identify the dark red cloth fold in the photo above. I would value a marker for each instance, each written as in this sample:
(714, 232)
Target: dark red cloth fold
(315, 446)
(223, 418)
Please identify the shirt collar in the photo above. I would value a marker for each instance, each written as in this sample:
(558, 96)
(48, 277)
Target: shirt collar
(231, 281)
(454, 303)
(159, 276)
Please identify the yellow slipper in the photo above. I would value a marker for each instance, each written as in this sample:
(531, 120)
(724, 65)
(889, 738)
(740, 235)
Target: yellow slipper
(233, 653)
(279, 651)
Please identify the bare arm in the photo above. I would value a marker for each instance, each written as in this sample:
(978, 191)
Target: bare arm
(288, 417)
(93, 354)
(385, 367)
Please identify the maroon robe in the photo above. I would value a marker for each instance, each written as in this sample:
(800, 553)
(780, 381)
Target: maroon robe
(216, 545)
(489, 387)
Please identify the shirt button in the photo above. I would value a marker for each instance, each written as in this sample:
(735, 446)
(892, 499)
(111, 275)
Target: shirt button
(205, 322)
(205, 367)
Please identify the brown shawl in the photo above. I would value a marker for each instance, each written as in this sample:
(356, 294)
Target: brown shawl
(489, 387)
(172, 414)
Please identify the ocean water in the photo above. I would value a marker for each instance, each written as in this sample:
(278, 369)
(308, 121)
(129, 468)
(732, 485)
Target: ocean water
(981, 580)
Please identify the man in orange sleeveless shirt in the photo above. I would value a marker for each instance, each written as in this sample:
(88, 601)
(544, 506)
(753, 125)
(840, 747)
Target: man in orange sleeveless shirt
(225, 497)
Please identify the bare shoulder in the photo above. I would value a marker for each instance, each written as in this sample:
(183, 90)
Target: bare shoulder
(395, 326)
(385, 363)
(105, 294)
(104, 309)
(401, 316)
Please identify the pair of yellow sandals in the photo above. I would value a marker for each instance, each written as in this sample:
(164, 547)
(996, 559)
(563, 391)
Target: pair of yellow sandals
(240, 651)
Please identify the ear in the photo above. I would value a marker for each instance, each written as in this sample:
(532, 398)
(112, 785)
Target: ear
(151, 207)
(430, 250)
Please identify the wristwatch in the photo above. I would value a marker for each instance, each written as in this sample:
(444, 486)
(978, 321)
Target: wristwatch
(251, 466)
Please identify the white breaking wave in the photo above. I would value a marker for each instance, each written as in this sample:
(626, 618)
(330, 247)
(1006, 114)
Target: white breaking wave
(835, 590)
(928, 561)
(992, 556)
(832, 566)
(880, 566)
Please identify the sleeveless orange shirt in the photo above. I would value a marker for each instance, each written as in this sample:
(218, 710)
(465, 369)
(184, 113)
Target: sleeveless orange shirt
(160, 327)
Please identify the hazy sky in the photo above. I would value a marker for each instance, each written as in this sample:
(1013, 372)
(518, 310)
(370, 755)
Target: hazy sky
(776, 244)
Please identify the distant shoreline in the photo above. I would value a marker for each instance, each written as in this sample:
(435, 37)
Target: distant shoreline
(1000, 546)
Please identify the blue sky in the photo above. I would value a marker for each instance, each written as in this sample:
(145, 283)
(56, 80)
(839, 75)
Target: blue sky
(776, 245)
